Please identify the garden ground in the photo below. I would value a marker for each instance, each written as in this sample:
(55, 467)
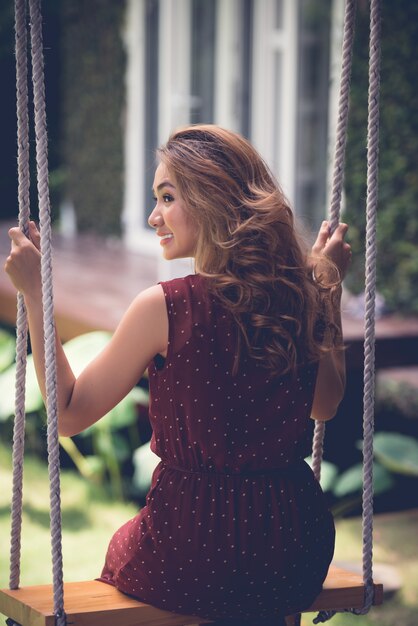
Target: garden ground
(90, 518)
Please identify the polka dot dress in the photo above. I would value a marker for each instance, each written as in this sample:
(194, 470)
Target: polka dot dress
(235, 527)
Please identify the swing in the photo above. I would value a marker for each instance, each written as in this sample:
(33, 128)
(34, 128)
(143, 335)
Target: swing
(95, 603)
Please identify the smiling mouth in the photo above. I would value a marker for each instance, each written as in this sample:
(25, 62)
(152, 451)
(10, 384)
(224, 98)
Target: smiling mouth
(169, 236)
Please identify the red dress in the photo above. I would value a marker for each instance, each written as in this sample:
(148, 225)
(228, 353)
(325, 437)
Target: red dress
(235, 526)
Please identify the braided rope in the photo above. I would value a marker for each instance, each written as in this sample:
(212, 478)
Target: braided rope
(338, 177)
(370, 305)
(48, 305)
(21, 322)
(370, 296)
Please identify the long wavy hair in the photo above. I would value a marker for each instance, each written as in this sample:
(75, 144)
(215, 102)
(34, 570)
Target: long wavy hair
(247, 246)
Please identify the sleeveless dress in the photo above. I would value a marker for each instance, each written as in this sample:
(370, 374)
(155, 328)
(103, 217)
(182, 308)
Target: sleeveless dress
(235, 526)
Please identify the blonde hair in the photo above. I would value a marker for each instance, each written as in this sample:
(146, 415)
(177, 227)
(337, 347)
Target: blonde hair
(247, 245)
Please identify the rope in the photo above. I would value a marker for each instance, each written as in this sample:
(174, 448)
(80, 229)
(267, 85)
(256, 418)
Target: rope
(41, 135)
(338, 177)
(21, 323)
(47, 295)
(370, 296)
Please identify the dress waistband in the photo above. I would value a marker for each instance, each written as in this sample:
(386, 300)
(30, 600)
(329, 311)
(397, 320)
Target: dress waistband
(264, 471)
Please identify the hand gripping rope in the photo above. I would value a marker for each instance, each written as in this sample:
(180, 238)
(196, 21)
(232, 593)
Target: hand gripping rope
(370, 273)
(47, 295)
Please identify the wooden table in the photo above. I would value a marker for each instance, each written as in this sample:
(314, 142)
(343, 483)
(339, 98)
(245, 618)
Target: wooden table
(95, 281)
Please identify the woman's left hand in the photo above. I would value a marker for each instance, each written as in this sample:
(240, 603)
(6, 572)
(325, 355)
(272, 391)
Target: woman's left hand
(334, 247)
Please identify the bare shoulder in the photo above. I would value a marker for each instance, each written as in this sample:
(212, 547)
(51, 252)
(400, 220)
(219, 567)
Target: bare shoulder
(147, 318)
(152, 298)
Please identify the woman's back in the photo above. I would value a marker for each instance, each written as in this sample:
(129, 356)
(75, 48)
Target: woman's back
(235, 524)
(206, 418)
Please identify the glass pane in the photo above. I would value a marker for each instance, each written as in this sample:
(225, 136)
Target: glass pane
(312, 112)
(203, 60)
(151, 101)
(278, 15)
(277, 103)
(247, 43)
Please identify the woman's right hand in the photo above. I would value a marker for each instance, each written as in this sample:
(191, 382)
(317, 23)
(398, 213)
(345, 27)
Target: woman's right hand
(23, 265)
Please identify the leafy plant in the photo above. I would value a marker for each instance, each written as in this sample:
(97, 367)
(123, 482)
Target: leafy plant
(7, 349)
(397, 267)
(145, 462)
(110, 448)
(398, 453)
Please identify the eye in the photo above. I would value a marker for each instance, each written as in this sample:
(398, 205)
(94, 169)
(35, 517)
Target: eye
(167, 198)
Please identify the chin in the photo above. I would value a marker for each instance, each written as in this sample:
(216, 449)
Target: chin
(171, 255)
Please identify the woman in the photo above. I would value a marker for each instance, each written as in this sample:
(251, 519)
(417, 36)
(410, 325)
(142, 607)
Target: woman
(240, 355)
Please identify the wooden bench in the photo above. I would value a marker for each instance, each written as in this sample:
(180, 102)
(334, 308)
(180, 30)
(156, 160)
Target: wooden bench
(93, 603)
(95, 281)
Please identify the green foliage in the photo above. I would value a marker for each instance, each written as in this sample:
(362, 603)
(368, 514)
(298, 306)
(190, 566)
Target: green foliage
(89, 515)
(397, 273)
(398, 453)
(7, 350)
(93, 100)
(394, 454)
(329, 473)
(145, 462)
(398, 397)
(111, 446)
(351, 481)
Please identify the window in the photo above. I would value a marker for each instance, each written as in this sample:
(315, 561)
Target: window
(258, 67)
(312, 110)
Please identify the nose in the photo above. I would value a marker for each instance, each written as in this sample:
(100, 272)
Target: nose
(155, 219)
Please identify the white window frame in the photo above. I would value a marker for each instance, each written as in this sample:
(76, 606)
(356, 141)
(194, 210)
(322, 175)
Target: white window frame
(228, 64)
(278, 148)
(173, 111)
(175, 100)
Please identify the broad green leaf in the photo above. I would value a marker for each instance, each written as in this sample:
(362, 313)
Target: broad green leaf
(7, 349)
(140, 396)
(351, 481)
(83, 349)
(145, 462)
(33, 400)
(398, 453)
(80, 352)
(329, 473)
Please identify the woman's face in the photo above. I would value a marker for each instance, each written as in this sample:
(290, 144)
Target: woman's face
(177, 232)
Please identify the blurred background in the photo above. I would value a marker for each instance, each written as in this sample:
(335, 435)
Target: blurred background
(119, 77)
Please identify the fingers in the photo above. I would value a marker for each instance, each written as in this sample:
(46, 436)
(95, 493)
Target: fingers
(34, 235)
(19, 238)
(341, 231)
(322, 238)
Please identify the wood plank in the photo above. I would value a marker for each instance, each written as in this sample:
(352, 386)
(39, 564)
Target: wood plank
(95, 280)
(89, 603)
(93, 603)
(343, 589)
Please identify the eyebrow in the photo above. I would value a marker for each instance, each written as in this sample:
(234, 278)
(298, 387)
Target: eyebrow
(165, 183)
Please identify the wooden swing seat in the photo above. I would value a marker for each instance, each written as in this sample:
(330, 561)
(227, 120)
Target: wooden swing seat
(93, 603)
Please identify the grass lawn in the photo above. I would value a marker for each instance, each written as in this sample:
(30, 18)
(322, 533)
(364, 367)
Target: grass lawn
(90, 518)
(89, 521)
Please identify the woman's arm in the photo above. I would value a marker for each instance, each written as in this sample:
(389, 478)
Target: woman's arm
(142, 333)
(330, 382)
